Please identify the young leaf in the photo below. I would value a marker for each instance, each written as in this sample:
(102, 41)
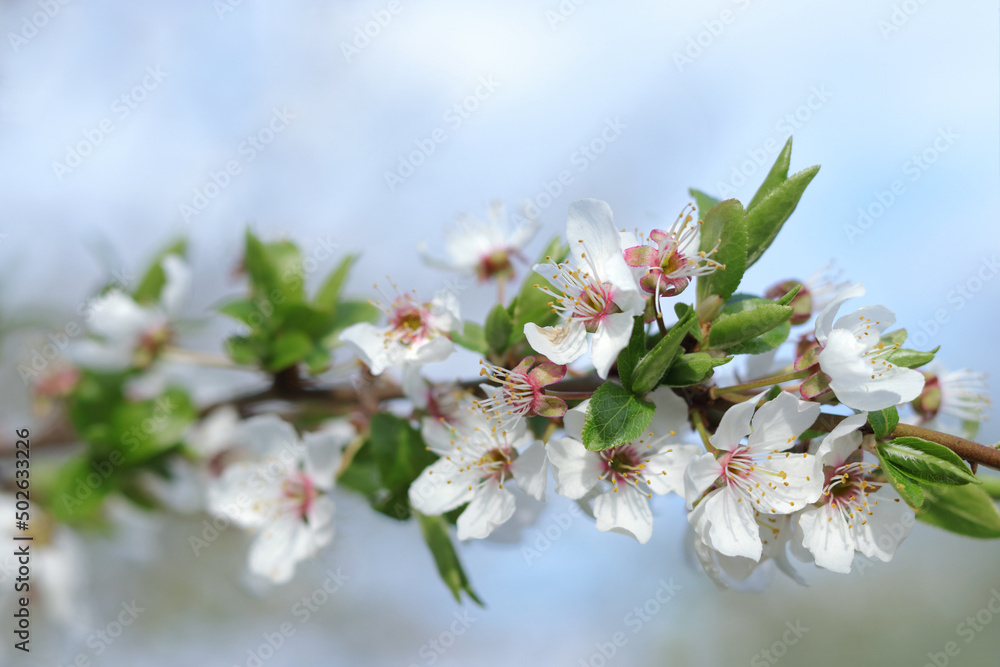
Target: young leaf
(329, 293)
(689, 369)
(398, 450)
(472, 337)
(615, 416)
(884, 422)
(897, 337)
(765, 218)
(657, 361)
(775, 177)
(926, 461)
(746, 319)
(498, 329)
(704, 202)
(966, 510)
(435, 532)
(725, 224)
(907, 488)
(912, 358)
(633, 352)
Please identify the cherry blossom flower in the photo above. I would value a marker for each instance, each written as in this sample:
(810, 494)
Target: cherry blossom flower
(594, 292)
(622, 479)
(417, 333)
(675, 259)
(129, 334)
(759, 477)
(776, 534)
(952, 401)
(521, 392)
(485, 249)
(281, 493)
(857, 362)
(815, 292)
(475, 467)
(852, 513)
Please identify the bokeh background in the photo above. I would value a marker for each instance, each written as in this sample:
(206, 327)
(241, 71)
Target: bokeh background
(692, 94)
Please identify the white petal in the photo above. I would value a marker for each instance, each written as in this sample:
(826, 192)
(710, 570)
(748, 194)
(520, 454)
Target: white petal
(851, 376)
(490, 507)
(664, 471)
(611, 338)
(734, 425)
(824, 321)
(562, 344)
(701, 473)
(625, 511)
(890, 521)
(118, 317)
(279, 547)
(842, 441)
(576, 469)
(368, 342)
(270, 435)
(445, 309)
(109, 357)
(243, 494)
(727, 524)
(826, 536)
(442, 487)
(574, 419)
(671, 413)
(590, 231)
(530, 470)
(789, 482)
(215, 433)
(432, 351)
(870, 321)
(323, 451)
(778, 422)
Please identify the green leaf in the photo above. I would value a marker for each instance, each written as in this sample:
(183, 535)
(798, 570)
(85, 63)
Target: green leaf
(926, 461)
(692, 368)
(472, 337)
(907, 488)
(151, 285)
(398, 450)
(789, 296)
(966, 510)
(498, 329)
(435, 532)
(897, 337)
(146, 429)
(884, 422)
(289, 349)
(775, 177)
(532, 303)
(629, 357)
(657, 361)
(747, 318)
(242, 350)
(704, 202)
(912, 358)
(614, 416)
(275, 270)
(329, 293)
(348, 313)
(725, 224)
(79, 488)
(766, 217)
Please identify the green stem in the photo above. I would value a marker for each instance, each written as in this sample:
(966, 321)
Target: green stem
(699, 424)
(991, 485)
(761, 383)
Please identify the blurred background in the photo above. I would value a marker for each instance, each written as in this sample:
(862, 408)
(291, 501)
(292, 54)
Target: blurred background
(368, 126)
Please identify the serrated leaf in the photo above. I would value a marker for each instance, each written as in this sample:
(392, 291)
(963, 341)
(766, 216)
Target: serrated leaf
(926, 461)
(633, 352)
(746, 318)
(615, 416)
(907, 488)
(966, 510)
(498, 329)
(435, 532)
(884, 422)
(776, 176)
(657, 361)
(725, 224)
(689, 369)
(766, 217)
(704, 202)
(329, 292)
(912, 358)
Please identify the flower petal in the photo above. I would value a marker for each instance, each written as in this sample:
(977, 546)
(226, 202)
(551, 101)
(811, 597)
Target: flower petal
(530, 470)
(562, 344)
(727, 525)
(778, 422)
(625, 511)
(824, 321)
(576, 469)
(611, 338)
(490, 507)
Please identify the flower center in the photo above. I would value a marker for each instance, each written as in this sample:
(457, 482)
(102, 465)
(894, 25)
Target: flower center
(496, 263)
(622, 465)
(409, 322)
(301, 491)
